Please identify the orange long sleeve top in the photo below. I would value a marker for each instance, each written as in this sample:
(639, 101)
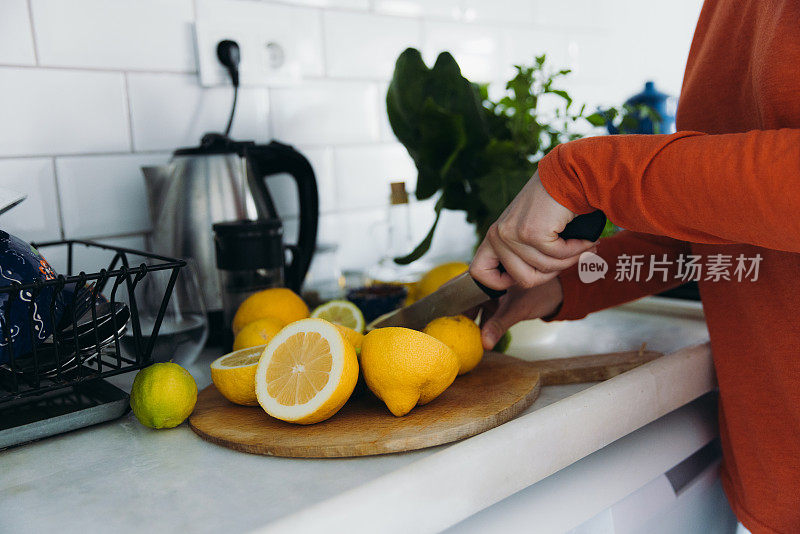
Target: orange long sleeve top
(728, 183)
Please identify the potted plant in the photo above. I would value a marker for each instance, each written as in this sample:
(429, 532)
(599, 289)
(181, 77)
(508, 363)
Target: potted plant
(476, 153)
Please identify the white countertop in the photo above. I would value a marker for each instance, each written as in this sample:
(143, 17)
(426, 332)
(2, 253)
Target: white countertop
(123, 477)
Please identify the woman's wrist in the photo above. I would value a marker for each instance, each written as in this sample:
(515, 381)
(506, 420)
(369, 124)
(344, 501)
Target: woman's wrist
(553, 294)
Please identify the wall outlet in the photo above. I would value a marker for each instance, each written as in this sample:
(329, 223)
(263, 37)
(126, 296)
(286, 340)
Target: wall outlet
(269, 56)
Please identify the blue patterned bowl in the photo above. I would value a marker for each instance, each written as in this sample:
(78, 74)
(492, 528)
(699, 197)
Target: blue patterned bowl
(21, 263)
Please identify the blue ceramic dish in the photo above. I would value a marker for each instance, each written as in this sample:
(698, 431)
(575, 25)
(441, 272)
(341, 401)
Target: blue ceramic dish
(21, 263)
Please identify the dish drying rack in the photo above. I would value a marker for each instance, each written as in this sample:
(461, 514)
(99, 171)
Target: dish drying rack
(60, 386)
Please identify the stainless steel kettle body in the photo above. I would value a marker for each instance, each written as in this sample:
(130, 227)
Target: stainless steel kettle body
(186, 197)
(199, 188)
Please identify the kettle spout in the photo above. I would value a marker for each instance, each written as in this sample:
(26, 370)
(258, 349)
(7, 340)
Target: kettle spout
(156, 180)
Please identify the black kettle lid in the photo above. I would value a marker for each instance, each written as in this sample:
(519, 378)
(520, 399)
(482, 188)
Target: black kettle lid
(215, 143)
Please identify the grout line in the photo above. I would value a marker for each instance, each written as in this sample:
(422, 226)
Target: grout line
(109, 70)
(127, 95)
(84, 154)
(33, 32)
(322, 35)
(59, 209)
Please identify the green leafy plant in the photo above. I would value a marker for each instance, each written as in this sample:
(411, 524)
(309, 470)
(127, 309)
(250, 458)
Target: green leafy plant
(626, 119)
(475, 152)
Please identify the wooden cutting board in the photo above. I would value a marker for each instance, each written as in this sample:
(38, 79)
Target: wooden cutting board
(497, 390)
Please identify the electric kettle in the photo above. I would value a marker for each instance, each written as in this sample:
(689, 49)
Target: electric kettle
(224, 180)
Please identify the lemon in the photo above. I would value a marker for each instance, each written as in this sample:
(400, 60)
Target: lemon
(307, 372)
(352, 337)
(341, 312)
(461, 334)
(163, 395)
(234, 375)
(436, 277)
(404, 367)
(257, 333)
(280, 303)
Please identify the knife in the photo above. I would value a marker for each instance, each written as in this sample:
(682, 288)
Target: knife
(463, 292)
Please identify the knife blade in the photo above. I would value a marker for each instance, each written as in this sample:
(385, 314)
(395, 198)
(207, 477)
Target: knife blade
(454, 297)
(463, 292)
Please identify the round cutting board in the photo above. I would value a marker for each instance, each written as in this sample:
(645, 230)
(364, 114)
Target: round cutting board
(494, 392)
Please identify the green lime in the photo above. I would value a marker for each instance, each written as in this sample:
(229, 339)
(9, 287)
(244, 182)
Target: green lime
(163, 395)
(503, 343)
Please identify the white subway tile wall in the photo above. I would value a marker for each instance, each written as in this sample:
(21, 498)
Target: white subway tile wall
(16, 41)
(115, 34)
(90, 90)
(171, 110)
(103, 195)
(37, 217)
(346, 35)
(48, 111)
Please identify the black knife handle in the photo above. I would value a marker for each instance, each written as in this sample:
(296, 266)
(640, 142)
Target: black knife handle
(492, 293)
(588, 226)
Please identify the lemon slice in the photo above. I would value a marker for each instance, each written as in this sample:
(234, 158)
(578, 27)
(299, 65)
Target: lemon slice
(234, 375)
(341, 312)
(307, 372)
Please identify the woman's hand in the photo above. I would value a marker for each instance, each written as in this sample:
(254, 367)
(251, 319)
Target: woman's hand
(525, 240)
(518, 305)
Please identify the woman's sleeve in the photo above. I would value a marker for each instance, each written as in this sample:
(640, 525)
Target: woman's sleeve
(702, 188)
(658, 270)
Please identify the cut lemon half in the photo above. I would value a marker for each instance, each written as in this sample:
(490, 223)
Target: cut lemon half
(307, 372)
(234, 375)
(341, 312)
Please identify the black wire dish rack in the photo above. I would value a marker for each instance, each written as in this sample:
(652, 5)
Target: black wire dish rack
(58, 385)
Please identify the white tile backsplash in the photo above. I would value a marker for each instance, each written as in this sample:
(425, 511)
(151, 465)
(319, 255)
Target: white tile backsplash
(16, 39)
(277, 22)
(284, 191)
(45, 111)
(508, 11)
(520, 47)
(444, 9)
(115, 34)
(363, 174)
(325, 112)
(477, 48)
(92, 259)
(171, 110)
(104, 195)
(92, 89)
(361, 242)
(345, 4)
(36, 218)
(359, 45)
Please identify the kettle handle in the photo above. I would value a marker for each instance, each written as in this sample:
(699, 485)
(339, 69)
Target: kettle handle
(277, 158)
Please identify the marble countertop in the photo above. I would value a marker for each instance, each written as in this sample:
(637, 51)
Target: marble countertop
(123, 477)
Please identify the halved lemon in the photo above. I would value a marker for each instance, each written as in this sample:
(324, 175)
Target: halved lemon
(307, 372)
(234, 375)
(341, 312)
